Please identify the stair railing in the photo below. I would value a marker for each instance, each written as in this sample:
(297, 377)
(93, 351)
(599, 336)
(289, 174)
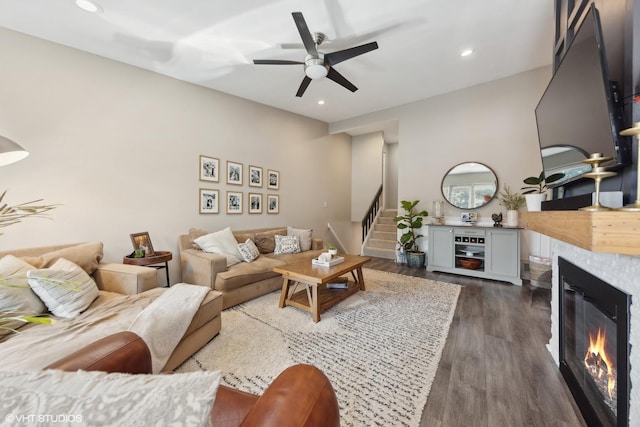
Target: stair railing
(369, 218)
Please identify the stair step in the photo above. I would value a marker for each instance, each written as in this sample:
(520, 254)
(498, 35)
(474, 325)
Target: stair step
(388, 228)
(384, 235)
(389, 213)
(377, 243)
(386, 220)
(380, 253)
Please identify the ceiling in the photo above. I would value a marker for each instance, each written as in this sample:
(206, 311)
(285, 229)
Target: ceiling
(212, 44)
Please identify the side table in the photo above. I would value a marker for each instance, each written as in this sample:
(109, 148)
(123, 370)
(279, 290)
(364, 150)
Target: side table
(151, 261)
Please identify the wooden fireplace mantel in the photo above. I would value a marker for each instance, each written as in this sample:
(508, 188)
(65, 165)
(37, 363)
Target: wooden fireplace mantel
(614, 232)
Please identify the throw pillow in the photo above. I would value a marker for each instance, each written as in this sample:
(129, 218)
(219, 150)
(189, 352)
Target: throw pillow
(305, 237)
(248, 250)
(266, 241)
(287, 245)
(16, 296)
(222, 243)
(86, 255)
(66, 289)
(102, 399)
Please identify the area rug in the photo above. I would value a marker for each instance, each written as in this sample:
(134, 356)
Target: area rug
(380, 348)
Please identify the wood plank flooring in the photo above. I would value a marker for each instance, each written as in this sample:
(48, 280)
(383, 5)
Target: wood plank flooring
(495, 369)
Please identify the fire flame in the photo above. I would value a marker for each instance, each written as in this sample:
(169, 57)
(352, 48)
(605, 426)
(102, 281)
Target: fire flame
(598, 361)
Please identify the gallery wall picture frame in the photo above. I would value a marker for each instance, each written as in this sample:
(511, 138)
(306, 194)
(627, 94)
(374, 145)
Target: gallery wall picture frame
(255, 176)
(255, 203)
(273, 179)
(234, 202)
(209, 201)
(209, 169)
(234, 173)
(273, 203)
(142, 241)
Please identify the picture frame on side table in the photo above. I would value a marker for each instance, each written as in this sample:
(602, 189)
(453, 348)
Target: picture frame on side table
(209, 201)
(234, 202)
(209, 169)
(234, 173)
(255, 176)
(273, 179)
(142, 241)
(255, 203)
(273, 203)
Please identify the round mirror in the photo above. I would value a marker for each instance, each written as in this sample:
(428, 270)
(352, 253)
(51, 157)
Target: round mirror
(469, 185)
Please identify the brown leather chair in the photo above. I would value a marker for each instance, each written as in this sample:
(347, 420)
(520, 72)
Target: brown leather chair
(300, 396)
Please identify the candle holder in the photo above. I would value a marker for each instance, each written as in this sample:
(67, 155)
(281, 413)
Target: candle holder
(438, 212)
(634, 131)
(598, 173)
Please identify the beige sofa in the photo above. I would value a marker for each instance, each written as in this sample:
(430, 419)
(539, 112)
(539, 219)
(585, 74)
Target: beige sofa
(240, 282)
(124, 291)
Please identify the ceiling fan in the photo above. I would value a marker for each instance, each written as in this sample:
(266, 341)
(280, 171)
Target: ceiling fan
(318, 65)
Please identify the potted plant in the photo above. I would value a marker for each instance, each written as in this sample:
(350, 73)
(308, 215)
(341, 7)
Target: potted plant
(331, 248)
(536, 189)
(411, 223)
(513, 202)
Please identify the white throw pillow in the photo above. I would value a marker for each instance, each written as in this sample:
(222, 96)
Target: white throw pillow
(102, 399)
(66, 289)
(15, 294)
(248, 250)
(305, 237)
(287, 245)
(222, 243)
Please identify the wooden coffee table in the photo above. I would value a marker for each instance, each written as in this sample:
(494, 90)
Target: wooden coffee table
(315, 297)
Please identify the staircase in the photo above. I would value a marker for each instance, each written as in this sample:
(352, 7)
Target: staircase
(382, 242)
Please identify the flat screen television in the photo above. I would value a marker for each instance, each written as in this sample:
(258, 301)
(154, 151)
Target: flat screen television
(580, 112)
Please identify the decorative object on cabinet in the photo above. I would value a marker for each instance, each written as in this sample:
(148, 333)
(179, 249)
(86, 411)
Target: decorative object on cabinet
(469, 185)
(598, 173)
(273, 180)
(469, 217)
(513, 202)
(209, 201)
(209, 169)
(438, 212)
(634, 131)
(497, 250)
(411, 223)
(536, 188)
(273, 203)
(497, 219)
(255, 203)
(142, 241)
(234, 202)
(234, 173)
(255, 176)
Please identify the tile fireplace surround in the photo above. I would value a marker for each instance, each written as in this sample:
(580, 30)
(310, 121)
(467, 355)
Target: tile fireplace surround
(619, 270)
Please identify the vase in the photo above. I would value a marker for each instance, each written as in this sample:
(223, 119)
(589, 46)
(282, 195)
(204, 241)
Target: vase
(512, 218)
(416, 259)
(534, 201)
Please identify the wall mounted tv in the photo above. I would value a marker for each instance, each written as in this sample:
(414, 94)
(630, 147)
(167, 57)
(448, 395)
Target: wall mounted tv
(580, 112)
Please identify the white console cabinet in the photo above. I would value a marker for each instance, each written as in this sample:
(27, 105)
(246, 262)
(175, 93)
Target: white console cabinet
(495, 251)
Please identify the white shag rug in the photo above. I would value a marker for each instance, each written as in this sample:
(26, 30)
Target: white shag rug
(380, 348)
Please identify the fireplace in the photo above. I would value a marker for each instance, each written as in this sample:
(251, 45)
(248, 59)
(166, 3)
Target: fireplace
(594, 345)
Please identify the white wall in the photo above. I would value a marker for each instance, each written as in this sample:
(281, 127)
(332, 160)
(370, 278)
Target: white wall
(493, 123)
(391, 176)
(366, 172)
(118, 148)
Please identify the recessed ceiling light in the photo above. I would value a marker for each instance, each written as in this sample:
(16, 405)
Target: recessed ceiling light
(321, 102)
(89, 6)
(466, 52)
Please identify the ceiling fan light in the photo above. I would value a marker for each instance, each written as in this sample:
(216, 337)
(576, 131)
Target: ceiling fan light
(316, 71)
(10, 151)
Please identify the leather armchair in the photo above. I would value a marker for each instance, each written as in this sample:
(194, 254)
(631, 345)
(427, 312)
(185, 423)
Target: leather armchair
(300, 396)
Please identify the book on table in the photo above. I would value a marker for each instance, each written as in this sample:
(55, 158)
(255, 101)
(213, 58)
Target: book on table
(338, 283)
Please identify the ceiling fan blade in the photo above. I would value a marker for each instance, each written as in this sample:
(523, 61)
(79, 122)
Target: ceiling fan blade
(303, 86)
(305, 34)
(275, 62)
(334, 58)
(339, 78)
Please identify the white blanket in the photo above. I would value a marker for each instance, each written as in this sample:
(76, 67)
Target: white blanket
(163, 323)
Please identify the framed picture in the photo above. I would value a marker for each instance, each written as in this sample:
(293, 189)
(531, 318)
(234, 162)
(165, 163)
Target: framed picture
(273, 179)
(142, 241)
(209, 201)
(255, 176)
(209, 169)
(234, 173)
(273, 203)
(255, 203)
(234, 202)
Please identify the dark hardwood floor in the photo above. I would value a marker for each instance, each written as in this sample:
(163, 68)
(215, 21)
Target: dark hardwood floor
(495, 369)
